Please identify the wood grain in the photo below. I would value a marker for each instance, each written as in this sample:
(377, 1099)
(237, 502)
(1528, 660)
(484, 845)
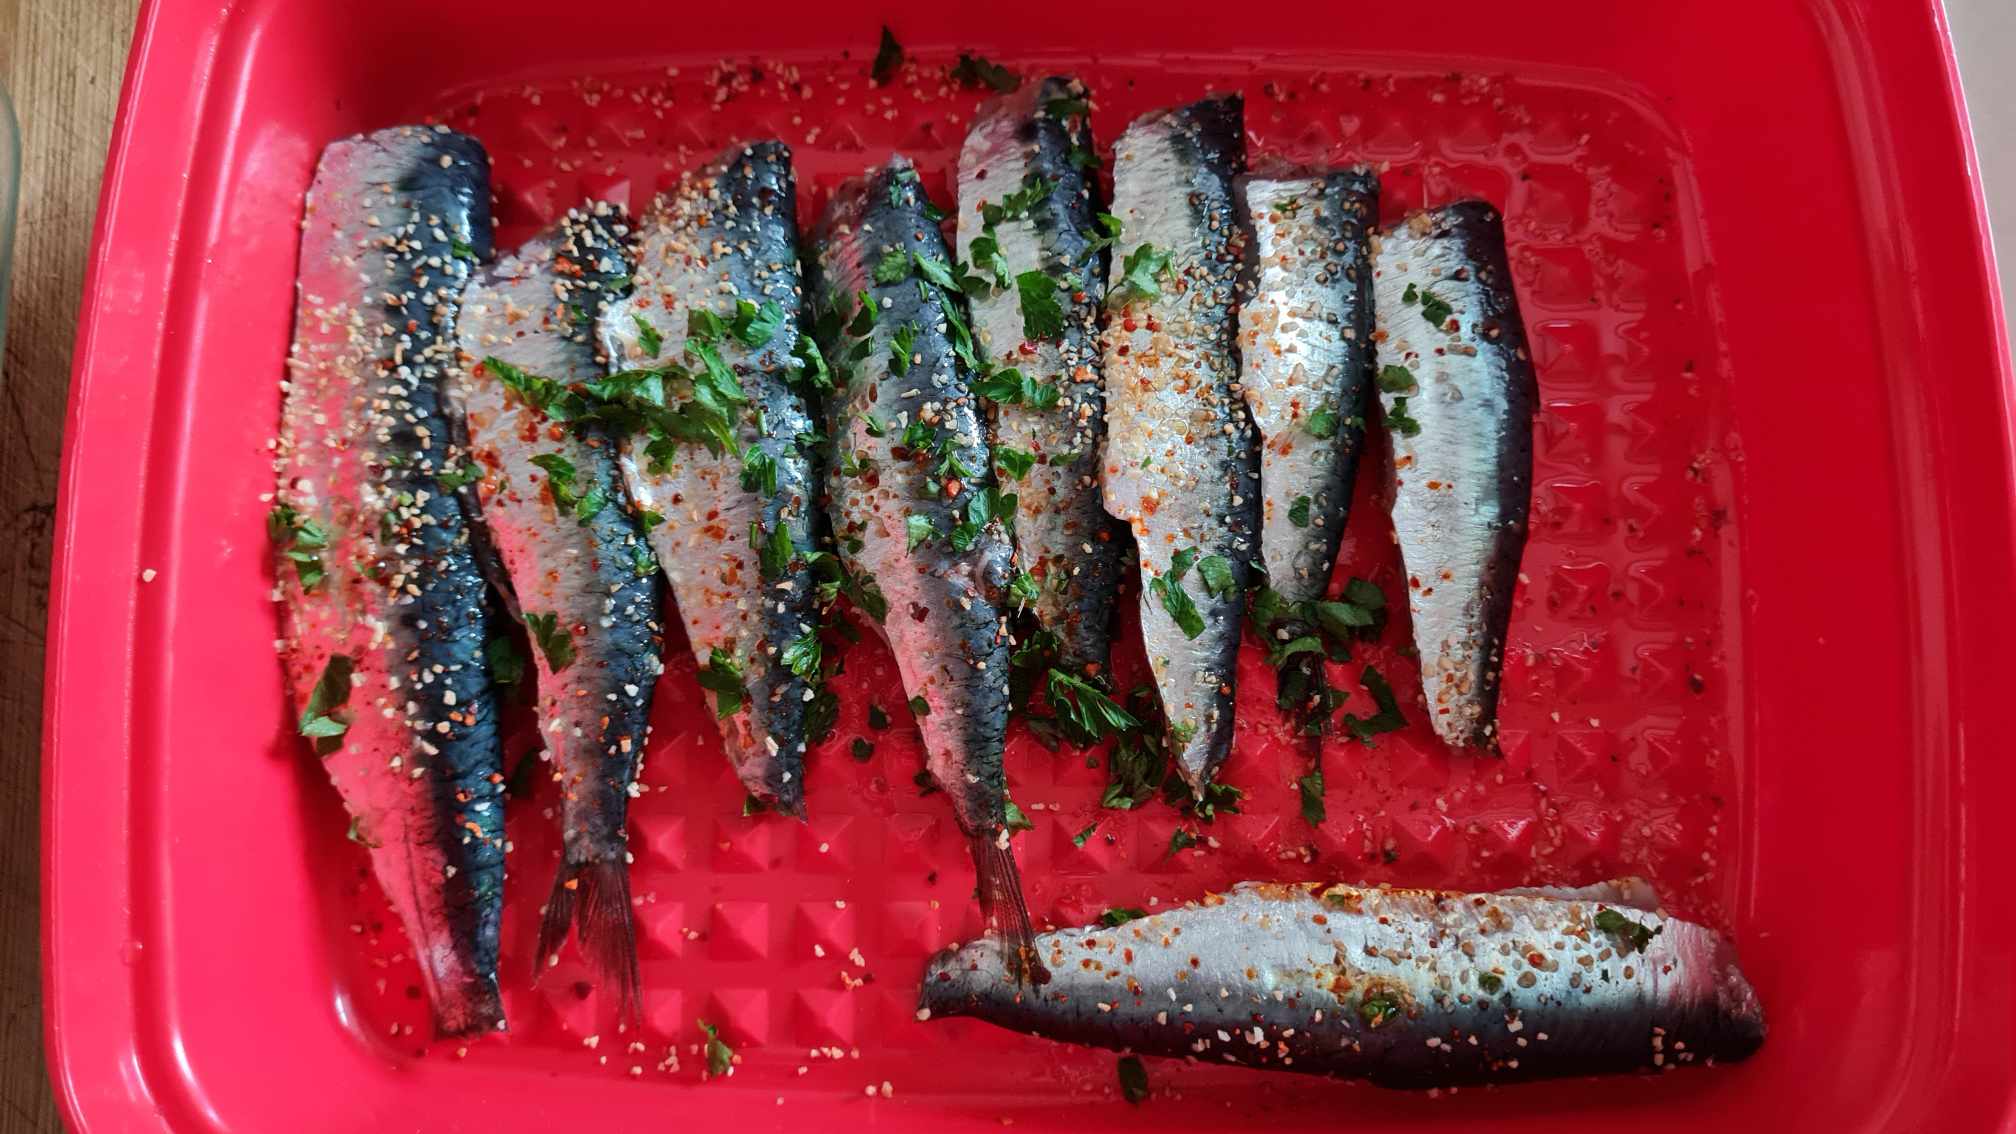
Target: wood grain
(62, 60)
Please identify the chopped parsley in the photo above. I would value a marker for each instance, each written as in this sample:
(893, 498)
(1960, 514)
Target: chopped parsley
(1013, 462)
(722, 676)
(301, 541)
(319, 720)
(1400, 421)
(1181, 840)
(801, 656)
(1133, 1079)
(1022, 589)
(1387, 719)
(1311, 787)
(888, 57)
(1009, 386)
(1631, 936)
(775, 552)
(1085, 710)
(759, 472)
(721, 1057)
(1042, 315)
(1121, 915)
(1177, 601)
(1216, 571)
(900, 345)
(975, 71)
(554, 640)
(1396, 379)
(560, 477)
(1376, 1010)
(756, 325)
(1013, 819)
(1144, 268)
(917, 530)
(461, 249)
(647, 336)
(893, 267)
(1323, 424)
(1079, 839)
(1491, 983)
(919, 707)
(935, 271)
(1298, 512)
(822, 713)
(1435, 309)
(507, 665)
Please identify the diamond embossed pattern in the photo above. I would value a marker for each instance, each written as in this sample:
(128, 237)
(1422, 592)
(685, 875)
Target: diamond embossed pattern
(802, 942)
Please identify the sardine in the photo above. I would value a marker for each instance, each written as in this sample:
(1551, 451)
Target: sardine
(913, 504)
(386, 623)
(717, 271)
(1181, 466)
(554, 507)
(1026, 206)
(1305, 349)
(1406, 988)
(1456, 382)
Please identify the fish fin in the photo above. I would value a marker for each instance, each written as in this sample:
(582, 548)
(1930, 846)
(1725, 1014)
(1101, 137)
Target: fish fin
(594, 897)
(1002, 907)
(474, 1007)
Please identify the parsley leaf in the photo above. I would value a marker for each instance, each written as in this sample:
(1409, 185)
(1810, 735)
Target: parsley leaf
(1298, 512)
(1012, 818)
(900, 345)
(721, 1057)
(1079, 839)
(1013, 462)
(1396, 379)
(319, 721)
(1181, 840)
(301, 540)
(1177, 601)
(1216, 571)
(755, 325)
(919, 707)
(722, 676)
(1631, 936)
(555, 641)
(801, 656)
(917, 529)
(1121, 915)
(1311, 786)
(775, 552)
(1144, 268)
(1400, 421)
(1323, 424)
(1435, 309)
(888, 57)
(1087, 713)
(1387, 719)
(978, 71)
(647, 336)
(1010, 387)
(1042, 315)
(759, 472)
(893, 267)
(1133, 1079)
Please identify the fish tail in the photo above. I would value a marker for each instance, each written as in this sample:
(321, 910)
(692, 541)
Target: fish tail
(1002, 906)
(594, 898)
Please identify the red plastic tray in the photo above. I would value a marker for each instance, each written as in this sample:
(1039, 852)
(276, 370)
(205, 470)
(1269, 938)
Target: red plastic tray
(1755, 656)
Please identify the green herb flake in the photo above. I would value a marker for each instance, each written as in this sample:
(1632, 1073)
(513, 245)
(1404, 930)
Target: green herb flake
(555, 641)
(1013, 819)
(650, 519)
(1490, 983)
(722, 676)
(974, 71)
(1376, 1010)
(1400, 421)
(1396, 379)
(461, 249)
(1311, 787)
(1144, 269)
(1435, 309)
(893, 267)
(919, 707)
(301, 541)
(1409, 295)
(759, 472)
(1013, 462)
(1133, 1080)
(1631, 936)
(1042, 314)
(1079, 839)
(1387, 719)
(801, 656)
(1121, 915)
(1216, 571)
(1181, 840)
(1086, 711)
(319, 720)
(1298, 512)
(917, 530)
(775, 551)
(721, 1057)
(888, 57)
(647, 336)
(900, 345)
(1323, 424)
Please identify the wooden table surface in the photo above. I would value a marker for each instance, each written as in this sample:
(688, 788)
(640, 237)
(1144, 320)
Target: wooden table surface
(62, 61)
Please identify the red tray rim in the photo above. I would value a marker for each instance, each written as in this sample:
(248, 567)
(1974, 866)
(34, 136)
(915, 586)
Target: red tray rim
(91, 1009)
